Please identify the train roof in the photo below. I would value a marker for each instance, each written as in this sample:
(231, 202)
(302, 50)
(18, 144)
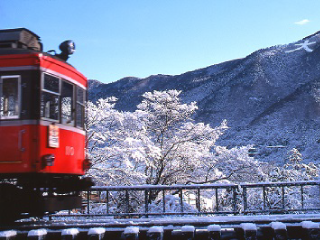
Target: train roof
(13, 51)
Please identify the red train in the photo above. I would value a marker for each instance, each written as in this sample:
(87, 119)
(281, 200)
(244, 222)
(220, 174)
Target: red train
(42, 135)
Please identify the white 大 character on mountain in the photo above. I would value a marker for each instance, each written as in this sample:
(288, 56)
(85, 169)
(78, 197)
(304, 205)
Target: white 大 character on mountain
(305, 45)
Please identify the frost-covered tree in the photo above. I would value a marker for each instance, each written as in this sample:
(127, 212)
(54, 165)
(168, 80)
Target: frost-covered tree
(160, 143)
(236, 165)
(294, 157)
(113, 144)
(293, 170)
(183, 147)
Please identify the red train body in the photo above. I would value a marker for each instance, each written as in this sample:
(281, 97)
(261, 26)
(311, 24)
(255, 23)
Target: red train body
(25, 136)
(42, 136)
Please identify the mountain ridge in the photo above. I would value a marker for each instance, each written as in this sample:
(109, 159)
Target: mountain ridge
(266, 97)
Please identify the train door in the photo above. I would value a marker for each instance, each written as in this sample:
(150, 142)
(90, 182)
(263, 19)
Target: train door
(11, 133)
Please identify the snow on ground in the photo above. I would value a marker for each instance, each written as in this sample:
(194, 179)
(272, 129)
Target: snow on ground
(248, 226)
(37, 233)
(278, 225)
(188, 228)
(309, 224)
(214, 228)
(215, 221)
(155, 229)
(8, 234)
(131, 230)
(96, 231)
(70, 232)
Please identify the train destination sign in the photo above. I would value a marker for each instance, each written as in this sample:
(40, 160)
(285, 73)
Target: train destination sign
(53, 137)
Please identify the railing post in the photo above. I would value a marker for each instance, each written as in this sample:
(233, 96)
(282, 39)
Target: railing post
(283, 204)
(198, 200)
(264, 197)
(234, 190)
(217, 200)
(107, 199)
(302, 198)
(88, 202)
(163, 201)
(236, 200)
(127, 201)
(146, 203)
(245, 204)
(181, 200)
(319, 194)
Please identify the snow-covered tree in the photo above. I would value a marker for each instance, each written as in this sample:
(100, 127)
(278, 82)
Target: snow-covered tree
(293, 170)
(160, 143)
(183, 147)
(236, 165)
(294, 156)
(113, 144)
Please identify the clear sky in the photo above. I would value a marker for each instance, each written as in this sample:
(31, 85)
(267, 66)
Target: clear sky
(120, 38)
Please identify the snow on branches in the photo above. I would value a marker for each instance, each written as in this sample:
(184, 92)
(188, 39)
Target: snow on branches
(159, 143)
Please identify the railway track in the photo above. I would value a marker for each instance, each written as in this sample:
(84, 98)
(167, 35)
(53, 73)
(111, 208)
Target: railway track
(302, 226)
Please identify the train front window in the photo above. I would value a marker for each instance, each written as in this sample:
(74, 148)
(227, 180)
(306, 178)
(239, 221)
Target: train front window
(62, 101)
(9, 97)
(51, 83)
(67, 108)
(50, 98)
(50, 106)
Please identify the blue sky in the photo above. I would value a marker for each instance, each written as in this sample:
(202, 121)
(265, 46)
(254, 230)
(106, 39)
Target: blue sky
(120, 38)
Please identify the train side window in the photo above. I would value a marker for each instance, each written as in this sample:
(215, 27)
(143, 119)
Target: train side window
(67, 105)
(9, 97)
(80, 107)
(50, 98)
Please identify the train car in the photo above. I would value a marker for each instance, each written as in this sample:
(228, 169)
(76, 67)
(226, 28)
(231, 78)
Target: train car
(42, 135)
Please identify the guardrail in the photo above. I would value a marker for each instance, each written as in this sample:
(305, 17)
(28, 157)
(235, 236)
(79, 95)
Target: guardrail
(210, 199)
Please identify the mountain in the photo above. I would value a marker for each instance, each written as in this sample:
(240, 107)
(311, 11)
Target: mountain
(271, 98)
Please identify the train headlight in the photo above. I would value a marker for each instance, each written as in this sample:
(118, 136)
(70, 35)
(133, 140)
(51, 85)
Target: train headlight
(68, 47)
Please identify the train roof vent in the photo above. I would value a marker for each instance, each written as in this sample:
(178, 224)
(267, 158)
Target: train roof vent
(20, 38)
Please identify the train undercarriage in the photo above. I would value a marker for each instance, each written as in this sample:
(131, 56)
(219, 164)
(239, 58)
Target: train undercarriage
(36, 195)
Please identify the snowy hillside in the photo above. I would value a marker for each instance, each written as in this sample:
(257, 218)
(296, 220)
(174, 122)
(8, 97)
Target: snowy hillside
(271, 98)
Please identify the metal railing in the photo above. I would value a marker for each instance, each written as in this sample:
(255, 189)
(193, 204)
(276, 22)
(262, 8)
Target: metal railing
(210, 199)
